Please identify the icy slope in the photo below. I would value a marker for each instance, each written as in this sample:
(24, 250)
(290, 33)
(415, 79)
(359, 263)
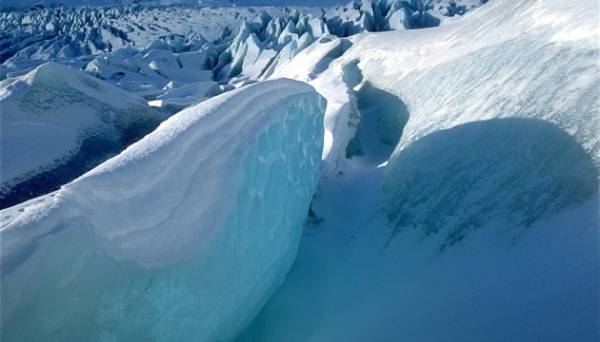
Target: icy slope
(481, 223)
(58, 123)
(509, 171)
(539, 65)
(183, 236)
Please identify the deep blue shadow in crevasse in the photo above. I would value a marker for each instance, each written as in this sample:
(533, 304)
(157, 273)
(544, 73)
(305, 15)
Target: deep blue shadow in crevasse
(380, 119)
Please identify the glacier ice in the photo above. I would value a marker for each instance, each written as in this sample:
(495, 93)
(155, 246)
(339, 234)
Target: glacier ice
(510, 172)
(58, 123)
(70, 32)
(183, 236)
(483, 222)
(71, 35)
(458, 197)
(177, 98)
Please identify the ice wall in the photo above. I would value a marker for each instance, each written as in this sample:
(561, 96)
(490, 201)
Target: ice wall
(183, 236)
(488, 226)
(539, 65)
(538, 76)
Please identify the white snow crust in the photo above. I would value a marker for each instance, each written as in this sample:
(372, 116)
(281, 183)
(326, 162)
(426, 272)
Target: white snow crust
(51, 116)
(182, 236)
(477, 220)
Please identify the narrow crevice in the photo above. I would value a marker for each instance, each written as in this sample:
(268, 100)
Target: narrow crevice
(381, 119)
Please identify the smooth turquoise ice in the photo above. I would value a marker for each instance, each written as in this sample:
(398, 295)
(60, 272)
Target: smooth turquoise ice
(181, 237)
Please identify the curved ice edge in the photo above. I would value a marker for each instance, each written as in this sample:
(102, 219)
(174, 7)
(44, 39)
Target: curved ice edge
(206, 210)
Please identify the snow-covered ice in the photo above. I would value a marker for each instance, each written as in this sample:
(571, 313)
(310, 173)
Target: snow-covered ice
(186, 95)
(58, 123)
(487, 225)
(456, 167)
(182, 236)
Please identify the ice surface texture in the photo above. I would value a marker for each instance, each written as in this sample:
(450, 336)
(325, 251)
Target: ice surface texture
(65, 33)
(183, 236)
(488, 226)
(58, 123)
(507, 171)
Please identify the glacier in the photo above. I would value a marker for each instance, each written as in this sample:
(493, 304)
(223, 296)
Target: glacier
(477, 218)
(72, 35)
(423, 170)
(58, 123)
(182, 236)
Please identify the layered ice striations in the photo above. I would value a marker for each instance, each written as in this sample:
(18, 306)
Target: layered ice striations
(183, 236)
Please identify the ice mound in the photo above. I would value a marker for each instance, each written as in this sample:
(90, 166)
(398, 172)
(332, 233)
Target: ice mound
(183, 236)
(156, 71)
(492, 65)
(488, 226)
(507, 172)
(186, 95)
(449, 79)
(58, 123)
